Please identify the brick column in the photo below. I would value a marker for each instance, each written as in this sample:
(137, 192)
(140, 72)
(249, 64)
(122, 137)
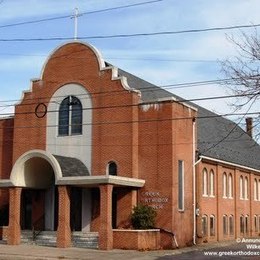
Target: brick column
(14, 228)
(64, 232)
(105, 229)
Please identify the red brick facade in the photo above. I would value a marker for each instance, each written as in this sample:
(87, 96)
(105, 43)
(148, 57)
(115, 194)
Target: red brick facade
(146, 140)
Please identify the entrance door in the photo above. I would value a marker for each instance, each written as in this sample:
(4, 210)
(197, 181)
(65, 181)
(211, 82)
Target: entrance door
(26, 210)
(114, 208)
(76, 209)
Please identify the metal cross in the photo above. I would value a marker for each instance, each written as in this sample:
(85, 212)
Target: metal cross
(75, 17)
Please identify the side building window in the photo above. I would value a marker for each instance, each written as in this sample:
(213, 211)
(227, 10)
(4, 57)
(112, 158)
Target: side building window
(224, 185)
(225, 225)
(246, 189)
(255, 189)
(242, 225)
(246, 224)
(231, 225)
(256, 223)
(204, 225)
(70, 117)
(212, 225)
(205, 182)
(230, 186)
(181, 185)
(212, 184)
(241, 187)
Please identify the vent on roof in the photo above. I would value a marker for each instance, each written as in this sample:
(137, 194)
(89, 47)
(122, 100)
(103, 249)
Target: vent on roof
(249, 126)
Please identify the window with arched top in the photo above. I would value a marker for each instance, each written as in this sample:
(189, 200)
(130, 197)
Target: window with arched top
(255, 189)
(212, 183)
(205, 183)
(204, 225)
(225, 225)
(231, 225)
(241, 187)
(112, 168)
(258, 189)
(256, 223)
(230, 185)
(246, 188)
(242, 225)
(246, 224)
(70, 117)
(212, 225)
(224, 185)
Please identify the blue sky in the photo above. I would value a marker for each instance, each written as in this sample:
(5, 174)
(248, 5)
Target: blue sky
(163, 60)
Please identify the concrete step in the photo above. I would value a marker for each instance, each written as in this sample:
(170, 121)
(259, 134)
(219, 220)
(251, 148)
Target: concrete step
(85, 240)
(42, 238)
(49, 238)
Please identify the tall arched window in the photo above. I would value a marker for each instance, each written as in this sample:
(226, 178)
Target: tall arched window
(241, 187)
(256, 223)
(231, 225)
(225, 225)
(212, 225)
(204, 225)
(224, 185)
(230, 185)
(205, 183)
(212, 184)
(258, 189)
(112, 168)
(242, 225)
(246, 224)
(70, 116)
(246, 188)
(255, 189)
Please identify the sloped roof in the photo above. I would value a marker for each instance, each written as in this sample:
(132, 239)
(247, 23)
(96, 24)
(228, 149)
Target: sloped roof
(218, 137)
(71, 167)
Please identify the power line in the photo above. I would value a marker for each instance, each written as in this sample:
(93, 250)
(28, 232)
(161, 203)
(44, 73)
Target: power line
(121, 58)
(153, 88)
(131, 35)
(83, 13)
(122, 106)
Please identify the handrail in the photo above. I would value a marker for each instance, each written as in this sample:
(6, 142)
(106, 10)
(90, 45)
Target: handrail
(171, 233)
(35, 228)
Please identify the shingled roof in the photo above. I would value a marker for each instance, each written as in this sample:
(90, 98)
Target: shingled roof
(218, 137)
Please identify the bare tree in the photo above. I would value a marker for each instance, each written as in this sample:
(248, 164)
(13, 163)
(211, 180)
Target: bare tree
(242, 72)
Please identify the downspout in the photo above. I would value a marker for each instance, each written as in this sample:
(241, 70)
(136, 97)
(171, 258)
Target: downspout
(194, 163)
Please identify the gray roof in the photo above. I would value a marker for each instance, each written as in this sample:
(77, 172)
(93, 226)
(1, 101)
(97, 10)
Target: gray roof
(218, 137)
(71, 167)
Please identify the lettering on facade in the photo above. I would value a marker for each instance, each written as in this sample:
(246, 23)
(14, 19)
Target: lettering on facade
(154, 199)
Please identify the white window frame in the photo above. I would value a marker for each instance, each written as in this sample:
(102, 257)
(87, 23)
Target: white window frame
(230, 186)
(224, 185)
(241, 187)
(211, 183)
(181, 188)
(205, 183)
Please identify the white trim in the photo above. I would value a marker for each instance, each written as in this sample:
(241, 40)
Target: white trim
(102, 67)
(101, 179)
(5, 183)
(229, 163)
(168, 99)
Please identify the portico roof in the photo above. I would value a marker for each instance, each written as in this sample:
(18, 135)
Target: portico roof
(92, 181)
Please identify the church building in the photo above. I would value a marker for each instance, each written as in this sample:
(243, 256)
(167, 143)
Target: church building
(89, 141)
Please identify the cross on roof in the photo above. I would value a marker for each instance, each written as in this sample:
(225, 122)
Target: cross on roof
(75, 17)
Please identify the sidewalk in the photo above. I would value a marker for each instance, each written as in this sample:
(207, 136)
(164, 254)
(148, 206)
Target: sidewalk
(26, 252)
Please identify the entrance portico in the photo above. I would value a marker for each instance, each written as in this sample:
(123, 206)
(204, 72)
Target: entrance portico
(39, 170)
